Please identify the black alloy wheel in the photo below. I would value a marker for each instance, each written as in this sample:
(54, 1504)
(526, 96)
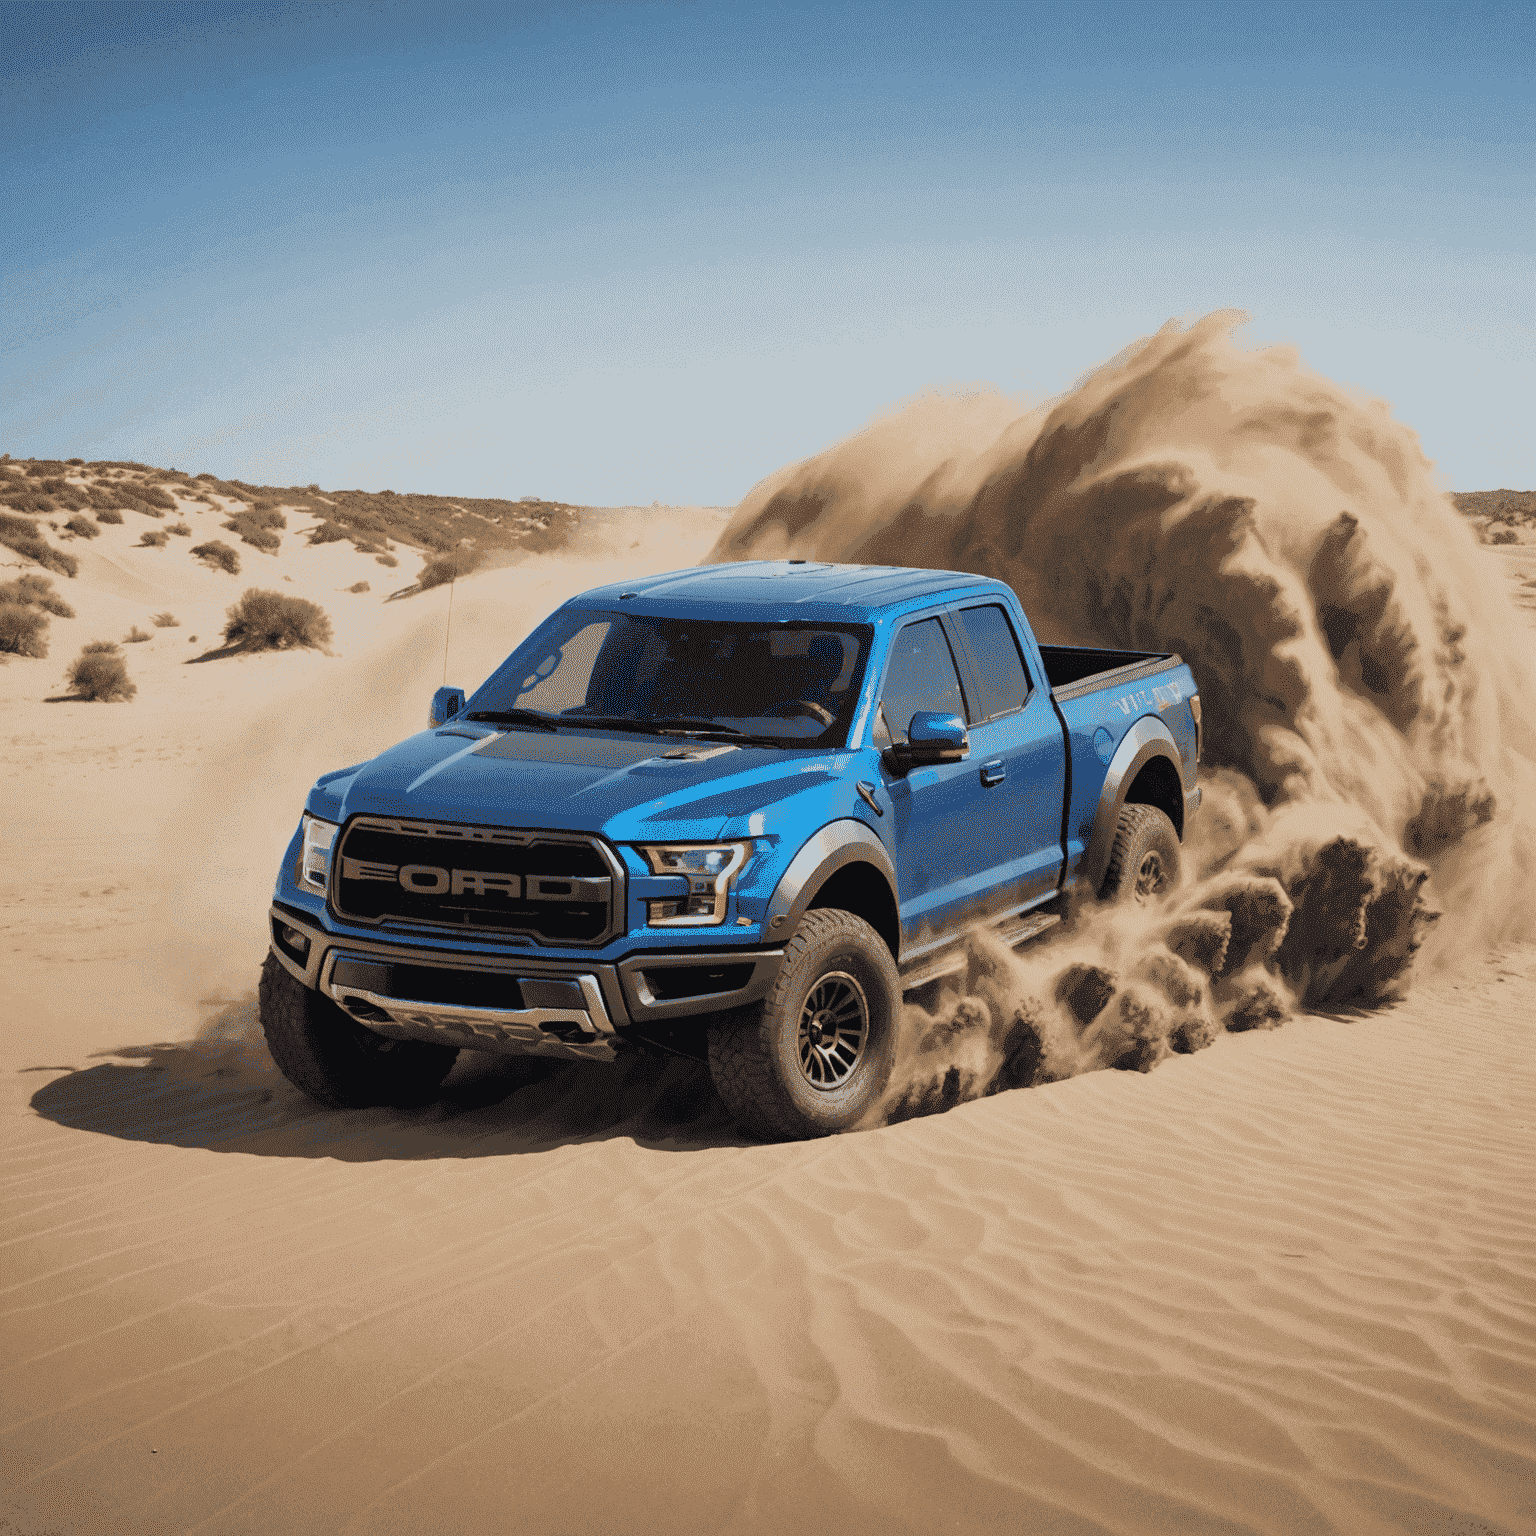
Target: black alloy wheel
(815, 1056)
(1144, 858)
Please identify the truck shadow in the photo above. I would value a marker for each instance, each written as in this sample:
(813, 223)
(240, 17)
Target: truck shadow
(222, 1093)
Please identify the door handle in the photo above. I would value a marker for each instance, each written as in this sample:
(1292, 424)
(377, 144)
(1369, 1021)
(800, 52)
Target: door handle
(993, 772)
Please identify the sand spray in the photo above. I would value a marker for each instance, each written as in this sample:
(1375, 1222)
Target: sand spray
(1369, 691)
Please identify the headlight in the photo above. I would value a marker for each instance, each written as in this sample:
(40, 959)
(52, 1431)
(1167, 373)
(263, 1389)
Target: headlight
(711, 870)
(315, 860)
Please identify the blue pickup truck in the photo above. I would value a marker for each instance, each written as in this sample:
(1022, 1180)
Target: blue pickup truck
(734, 812)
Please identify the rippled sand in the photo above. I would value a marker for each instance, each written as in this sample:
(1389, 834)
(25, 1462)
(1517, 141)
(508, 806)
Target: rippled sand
(1285, 1285)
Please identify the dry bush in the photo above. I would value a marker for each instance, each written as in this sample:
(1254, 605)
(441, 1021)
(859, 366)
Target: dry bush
(386, 560)
(136, 635)
(28, 499)
(154, 538)
(100, 674)
(359, 586)
(108, 515)
(258, 527)
(153, 497)
(23, 629)
(38, 591)
(446, 567)
(273, 621)
(83, 527)
(21, 534)
(181, 530)
(328, 533)
(165, 621)
(99, 648)
(219, 556)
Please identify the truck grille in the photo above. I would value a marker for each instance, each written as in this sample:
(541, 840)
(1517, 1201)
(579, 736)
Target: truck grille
(555, 887)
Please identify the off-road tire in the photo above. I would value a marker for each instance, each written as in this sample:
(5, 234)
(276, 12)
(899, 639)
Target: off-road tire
(754, 1052)
(1144, 857)
(332, 1058)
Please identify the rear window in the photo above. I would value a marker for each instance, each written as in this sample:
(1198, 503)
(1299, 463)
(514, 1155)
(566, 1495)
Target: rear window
(1004, 682)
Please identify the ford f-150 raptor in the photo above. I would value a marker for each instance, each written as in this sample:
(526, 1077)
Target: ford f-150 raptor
(735, 812)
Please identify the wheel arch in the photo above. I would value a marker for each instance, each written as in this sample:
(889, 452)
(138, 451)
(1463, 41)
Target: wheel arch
(1145, 770)
(844, 865)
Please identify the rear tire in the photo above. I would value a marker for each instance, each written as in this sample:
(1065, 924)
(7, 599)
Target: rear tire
(332, 1058)
(1144, 858)
(814, 1057)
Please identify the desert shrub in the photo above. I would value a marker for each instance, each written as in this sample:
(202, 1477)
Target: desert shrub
(99, 648)
(447, 567)
(219, 555)
(273, 621)
(108, 515)
(328, 533)
(136, 635)
(23, 629)
(165, 621)
(26, 499)
(257, 527)
(81, 525)
(154, 538)
(359, 586)
(77, 462)
(100, 674)
(153, 497)
(37, 590)
(181, 530)
(386, 560)
(20, 534)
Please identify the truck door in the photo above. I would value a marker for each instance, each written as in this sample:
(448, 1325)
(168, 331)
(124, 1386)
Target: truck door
(940, 833)
(1020, 756)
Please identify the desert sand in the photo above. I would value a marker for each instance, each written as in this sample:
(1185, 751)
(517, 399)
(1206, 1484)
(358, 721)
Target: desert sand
(1286, 1284)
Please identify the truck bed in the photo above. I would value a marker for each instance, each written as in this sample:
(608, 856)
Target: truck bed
(1073, 670)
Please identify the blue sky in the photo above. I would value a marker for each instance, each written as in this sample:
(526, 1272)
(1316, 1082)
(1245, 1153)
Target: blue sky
(615, 253)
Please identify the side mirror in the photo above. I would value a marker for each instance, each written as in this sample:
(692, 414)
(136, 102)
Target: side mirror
(931, 738)
(446, 703)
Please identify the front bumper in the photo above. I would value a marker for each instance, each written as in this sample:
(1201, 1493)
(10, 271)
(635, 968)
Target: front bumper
(585, 1010)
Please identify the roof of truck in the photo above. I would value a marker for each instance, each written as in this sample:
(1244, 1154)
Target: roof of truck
(849, 591)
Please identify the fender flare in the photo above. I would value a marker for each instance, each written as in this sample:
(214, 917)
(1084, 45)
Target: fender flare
(1147, 738)
(837, 844)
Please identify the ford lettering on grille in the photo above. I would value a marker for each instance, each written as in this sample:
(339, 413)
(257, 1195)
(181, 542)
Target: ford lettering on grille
(555, 888)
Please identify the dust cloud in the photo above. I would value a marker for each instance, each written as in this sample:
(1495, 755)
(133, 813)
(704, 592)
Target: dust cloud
(1368, 689)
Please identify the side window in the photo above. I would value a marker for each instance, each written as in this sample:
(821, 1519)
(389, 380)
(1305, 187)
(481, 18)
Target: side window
(921, 675)
(1003, 682)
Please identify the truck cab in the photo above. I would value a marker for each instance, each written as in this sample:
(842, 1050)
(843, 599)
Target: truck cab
(732, 812)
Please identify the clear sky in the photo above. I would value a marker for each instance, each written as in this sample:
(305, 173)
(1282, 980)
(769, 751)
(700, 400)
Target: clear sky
(625, 253)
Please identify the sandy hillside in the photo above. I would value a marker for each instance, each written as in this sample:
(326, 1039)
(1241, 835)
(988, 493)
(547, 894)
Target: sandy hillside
(1287, 1284)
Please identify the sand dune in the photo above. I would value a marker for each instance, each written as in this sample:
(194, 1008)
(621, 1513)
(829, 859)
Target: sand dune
(1287, 1284)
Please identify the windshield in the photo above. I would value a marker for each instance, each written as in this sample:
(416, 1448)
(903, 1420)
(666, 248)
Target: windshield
(790, 683)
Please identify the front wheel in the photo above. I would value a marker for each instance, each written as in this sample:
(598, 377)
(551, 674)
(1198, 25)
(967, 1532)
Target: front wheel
(328, 1054)
(1144, 857)
(814, 1057)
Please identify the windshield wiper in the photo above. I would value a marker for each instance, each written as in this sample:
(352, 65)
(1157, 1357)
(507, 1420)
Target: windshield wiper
(695, 723)
(532, 717)
(717, 730)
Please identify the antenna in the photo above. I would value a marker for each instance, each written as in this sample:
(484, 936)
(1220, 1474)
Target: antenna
(453, 581)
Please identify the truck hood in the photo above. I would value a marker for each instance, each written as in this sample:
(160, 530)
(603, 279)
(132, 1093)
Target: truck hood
(626, 787)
